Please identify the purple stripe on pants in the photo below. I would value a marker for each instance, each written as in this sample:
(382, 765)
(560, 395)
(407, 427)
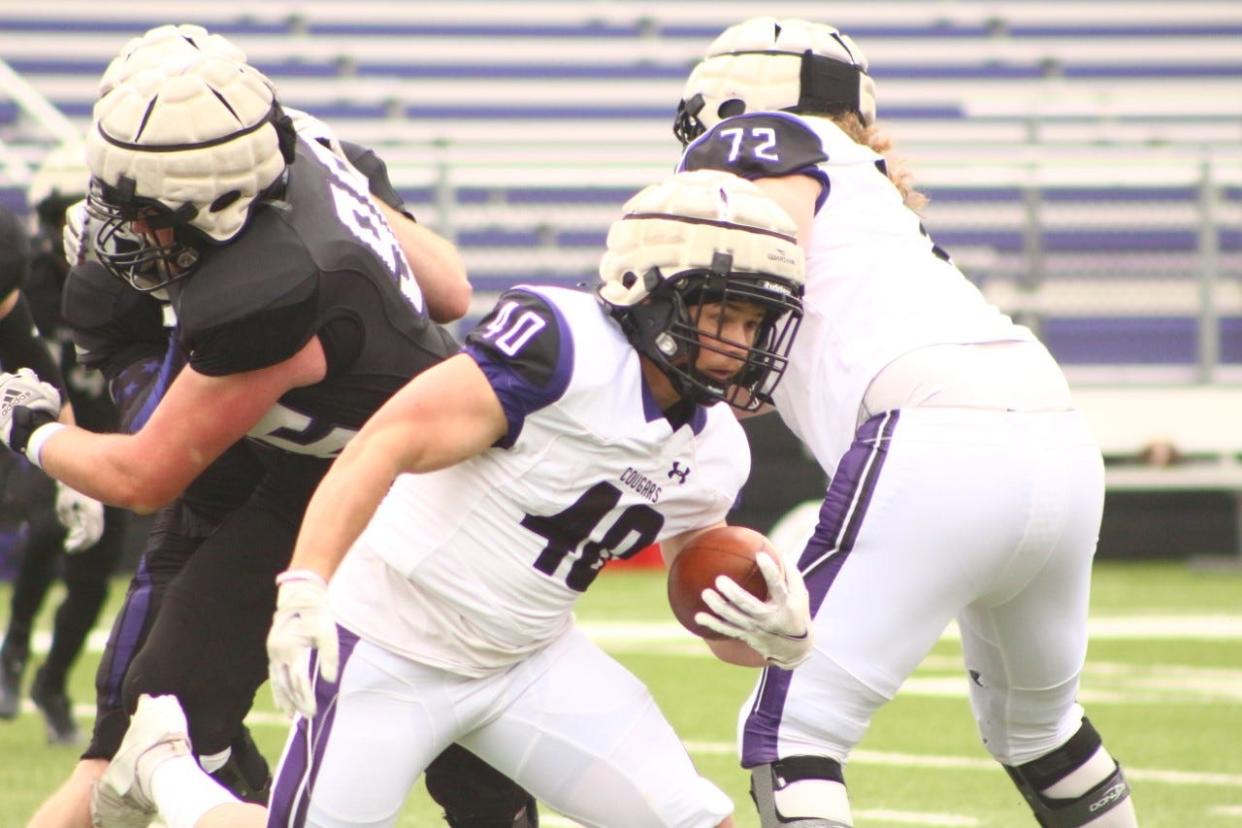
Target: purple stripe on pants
(840, 520)
(128, 632)
(295, 779)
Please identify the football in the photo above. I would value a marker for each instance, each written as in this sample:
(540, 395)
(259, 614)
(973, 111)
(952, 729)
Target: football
(727, 550)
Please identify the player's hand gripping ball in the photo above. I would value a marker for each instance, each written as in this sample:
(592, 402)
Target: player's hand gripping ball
(726, 550)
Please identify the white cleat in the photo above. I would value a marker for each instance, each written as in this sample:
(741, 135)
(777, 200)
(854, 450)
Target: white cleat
(157, 732)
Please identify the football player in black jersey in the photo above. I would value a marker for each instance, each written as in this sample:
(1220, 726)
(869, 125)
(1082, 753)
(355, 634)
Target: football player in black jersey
(298, 313)
(26, 494)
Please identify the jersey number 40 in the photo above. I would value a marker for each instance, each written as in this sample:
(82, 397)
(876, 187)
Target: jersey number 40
(567, 533)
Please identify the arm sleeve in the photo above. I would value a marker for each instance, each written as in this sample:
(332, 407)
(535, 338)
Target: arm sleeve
(524, 348)
(141, 382)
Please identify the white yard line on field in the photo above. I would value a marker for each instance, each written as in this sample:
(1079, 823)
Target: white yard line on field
(914, 817)
(1114, 627)
(632, 633)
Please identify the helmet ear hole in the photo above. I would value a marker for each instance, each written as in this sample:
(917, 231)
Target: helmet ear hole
(224, 200)
(731, 107)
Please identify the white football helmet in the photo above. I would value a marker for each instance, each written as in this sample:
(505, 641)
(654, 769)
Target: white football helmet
(163, 45)
(61, 174)
(696, 238)
(188, 146)
(61, 179)
(771, 64)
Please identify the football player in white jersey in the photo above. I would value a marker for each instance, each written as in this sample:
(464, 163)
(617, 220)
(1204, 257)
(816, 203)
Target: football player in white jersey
(963, 484)
(481, 502)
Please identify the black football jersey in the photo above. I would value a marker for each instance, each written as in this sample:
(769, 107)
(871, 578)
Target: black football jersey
(321, 262)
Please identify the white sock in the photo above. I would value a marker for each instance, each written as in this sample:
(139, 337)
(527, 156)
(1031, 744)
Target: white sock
(182, 792)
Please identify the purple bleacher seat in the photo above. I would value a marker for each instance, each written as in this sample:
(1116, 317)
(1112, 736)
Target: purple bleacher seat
(1114, 240)
(609, 30)
(347, 109)
(13, 198)
(134, 26)
(569, 195)
(970, 195)
(1127, 194)
(1231, 339)
(1002, 239)
(1154, 70)
(1122, 340)
(498, 237)
(637, 112)
(936, 30)
(596, 238)
(1089, 30)
(59, 66)
(509, 71)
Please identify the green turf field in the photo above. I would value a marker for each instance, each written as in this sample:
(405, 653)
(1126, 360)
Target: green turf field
(1163, 683)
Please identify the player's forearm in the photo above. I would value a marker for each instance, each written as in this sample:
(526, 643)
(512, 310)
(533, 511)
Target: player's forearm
(341, 507)
(111, 468)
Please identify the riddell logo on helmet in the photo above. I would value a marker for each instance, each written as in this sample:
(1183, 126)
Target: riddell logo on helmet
(1113, 794)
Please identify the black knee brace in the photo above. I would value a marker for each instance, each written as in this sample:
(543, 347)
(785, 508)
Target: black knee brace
(246, 772)
(1046, 771)
(473, 794)
(766, 780)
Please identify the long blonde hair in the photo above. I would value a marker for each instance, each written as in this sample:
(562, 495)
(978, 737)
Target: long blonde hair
(872, 136)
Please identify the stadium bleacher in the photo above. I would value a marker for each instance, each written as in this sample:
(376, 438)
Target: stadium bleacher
(1083, 158)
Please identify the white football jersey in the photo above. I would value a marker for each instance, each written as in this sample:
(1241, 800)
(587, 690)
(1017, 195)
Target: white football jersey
(877, 287)
(473, 567)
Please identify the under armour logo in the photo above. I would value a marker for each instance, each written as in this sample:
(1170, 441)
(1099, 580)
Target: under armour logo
(678, 472)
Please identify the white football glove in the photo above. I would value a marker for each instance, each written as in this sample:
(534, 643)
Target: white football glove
(82, 516)
(73, 236)
(24, 389)
(779, 629)
(302, 624)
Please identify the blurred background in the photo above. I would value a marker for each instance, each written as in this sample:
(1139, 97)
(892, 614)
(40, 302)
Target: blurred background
(1083, 157)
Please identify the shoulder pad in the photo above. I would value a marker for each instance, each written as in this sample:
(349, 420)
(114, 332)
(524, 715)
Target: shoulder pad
(523, 333)
(14, 253)
(94, 298)
(525, 349)
(761, 145)
(266, 268)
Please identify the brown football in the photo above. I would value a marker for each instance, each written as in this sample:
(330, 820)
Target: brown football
(727, 550)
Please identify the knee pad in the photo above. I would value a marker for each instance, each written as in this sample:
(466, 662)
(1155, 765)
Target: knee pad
(820, 801)
(1043, 773)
